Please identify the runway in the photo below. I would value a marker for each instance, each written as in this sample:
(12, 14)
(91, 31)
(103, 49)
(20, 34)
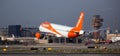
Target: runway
(68, 45)
(60, 48)
(38, 54)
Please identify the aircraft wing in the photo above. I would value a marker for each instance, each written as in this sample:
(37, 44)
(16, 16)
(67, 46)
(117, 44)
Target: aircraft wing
(91, 31)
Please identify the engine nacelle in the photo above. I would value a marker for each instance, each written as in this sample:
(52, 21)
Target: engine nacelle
(39, 36)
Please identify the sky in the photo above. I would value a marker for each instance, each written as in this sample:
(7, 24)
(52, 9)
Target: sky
(31, 13)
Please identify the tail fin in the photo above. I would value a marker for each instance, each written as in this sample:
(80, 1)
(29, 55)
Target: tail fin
(80, 22)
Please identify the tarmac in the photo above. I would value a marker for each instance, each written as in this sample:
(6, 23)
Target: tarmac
(37, 54)
(60, 47)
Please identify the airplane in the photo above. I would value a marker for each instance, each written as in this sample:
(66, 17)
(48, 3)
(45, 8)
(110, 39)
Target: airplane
(62, 30)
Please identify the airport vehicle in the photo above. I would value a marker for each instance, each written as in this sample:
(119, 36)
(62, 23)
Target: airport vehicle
(64, 31)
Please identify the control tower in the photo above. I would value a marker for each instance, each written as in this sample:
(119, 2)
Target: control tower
(96, 24)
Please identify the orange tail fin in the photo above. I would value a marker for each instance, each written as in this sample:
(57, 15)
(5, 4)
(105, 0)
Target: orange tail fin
(80, 22)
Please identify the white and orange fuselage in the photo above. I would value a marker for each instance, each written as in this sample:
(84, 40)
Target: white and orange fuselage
(64, 31)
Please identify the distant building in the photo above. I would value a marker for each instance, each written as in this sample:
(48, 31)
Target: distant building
(4, 31)
(18, 31)
(109, 36)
